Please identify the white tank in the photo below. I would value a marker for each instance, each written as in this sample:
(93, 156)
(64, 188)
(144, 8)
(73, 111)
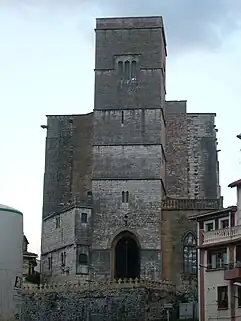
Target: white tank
(11, 261)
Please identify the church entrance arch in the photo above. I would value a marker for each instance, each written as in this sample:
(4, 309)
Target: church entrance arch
(126, 251)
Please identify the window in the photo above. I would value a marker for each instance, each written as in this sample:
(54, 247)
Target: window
(239, 296)
(84, 218)
(127, 70)
(209, 226)
(83, 259)
(223, 223)
(222, 297)
(125, 197)
(50, 261)
(120, 69)
(133, 70)
(189, 254)
(217, 259)
(57, 222)
(122, 118)
(63, 259)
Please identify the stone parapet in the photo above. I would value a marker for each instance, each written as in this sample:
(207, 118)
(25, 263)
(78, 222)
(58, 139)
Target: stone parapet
(192, 204)
(85, 286)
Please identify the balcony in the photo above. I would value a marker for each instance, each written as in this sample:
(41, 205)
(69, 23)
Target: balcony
(224, 235)
(233, 271)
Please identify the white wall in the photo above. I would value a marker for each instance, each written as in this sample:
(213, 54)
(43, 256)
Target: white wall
(58, 240)
(11, 261)
(238, 215)
(212, 280)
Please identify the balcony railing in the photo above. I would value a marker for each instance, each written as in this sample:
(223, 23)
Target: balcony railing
(232, 271)
(224, 235)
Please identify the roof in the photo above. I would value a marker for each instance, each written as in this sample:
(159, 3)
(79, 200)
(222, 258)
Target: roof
(29, 254)
(235, 183)
(5, 208)
(213, 213)
(25, 239)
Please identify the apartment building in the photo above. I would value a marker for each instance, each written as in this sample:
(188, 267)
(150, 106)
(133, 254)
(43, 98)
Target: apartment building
(219, 260)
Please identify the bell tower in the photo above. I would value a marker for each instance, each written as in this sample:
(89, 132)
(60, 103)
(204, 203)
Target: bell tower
(128, 181)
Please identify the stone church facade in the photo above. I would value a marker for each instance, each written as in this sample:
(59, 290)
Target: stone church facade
(120, 182)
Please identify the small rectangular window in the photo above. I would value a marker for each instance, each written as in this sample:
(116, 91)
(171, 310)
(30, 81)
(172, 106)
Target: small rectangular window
(63, 259)
(82, 260)
(133, 70)
(57, 222)
(122, 118)
(120, 69)
(224, 223)
(239, 296)
(222, 293)
(125, 197)
(209, 226)
(217, 259)
(50, 261)
(84, 218)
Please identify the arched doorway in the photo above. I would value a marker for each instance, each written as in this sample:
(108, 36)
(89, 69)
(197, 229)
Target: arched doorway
(126, 256)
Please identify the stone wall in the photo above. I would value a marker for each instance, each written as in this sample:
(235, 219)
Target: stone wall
(175, 225)
(132, 300)
(191, 151)
(68, 160)
(128, 139)
(202, 156)
(143, 211)
(70, 238)
(176, 149)
(141, 39)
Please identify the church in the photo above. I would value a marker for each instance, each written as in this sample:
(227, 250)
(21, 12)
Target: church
(121, 181)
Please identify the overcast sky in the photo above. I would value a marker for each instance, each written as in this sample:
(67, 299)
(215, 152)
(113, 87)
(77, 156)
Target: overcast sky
(46, 67)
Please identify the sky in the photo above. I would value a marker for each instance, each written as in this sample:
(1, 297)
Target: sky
(47, 67)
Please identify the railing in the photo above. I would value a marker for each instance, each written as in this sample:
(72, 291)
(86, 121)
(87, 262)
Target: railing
(232, 265)
(227, 234)
(192, 204)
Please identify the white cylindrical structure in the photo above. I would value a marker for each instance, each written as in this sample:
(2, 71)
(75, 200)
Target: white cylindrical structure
(11, 261)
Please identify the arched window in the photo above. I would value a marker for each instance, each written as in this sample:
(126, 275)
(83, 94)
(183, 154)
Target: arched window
(133, 70)
(189, 254)
(125, 197)
(120, 69)
(127, 70)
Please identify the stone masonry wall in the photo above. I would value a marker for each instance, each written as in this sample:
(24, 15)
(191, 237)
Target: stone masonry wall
(143, 221)
(58, 164)
(191, 152)
(202, 156)
(129, 138)
(176, 149)
(135, 301)
(175, 224)
(68, 160)
(141, 38)
(64, 240)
